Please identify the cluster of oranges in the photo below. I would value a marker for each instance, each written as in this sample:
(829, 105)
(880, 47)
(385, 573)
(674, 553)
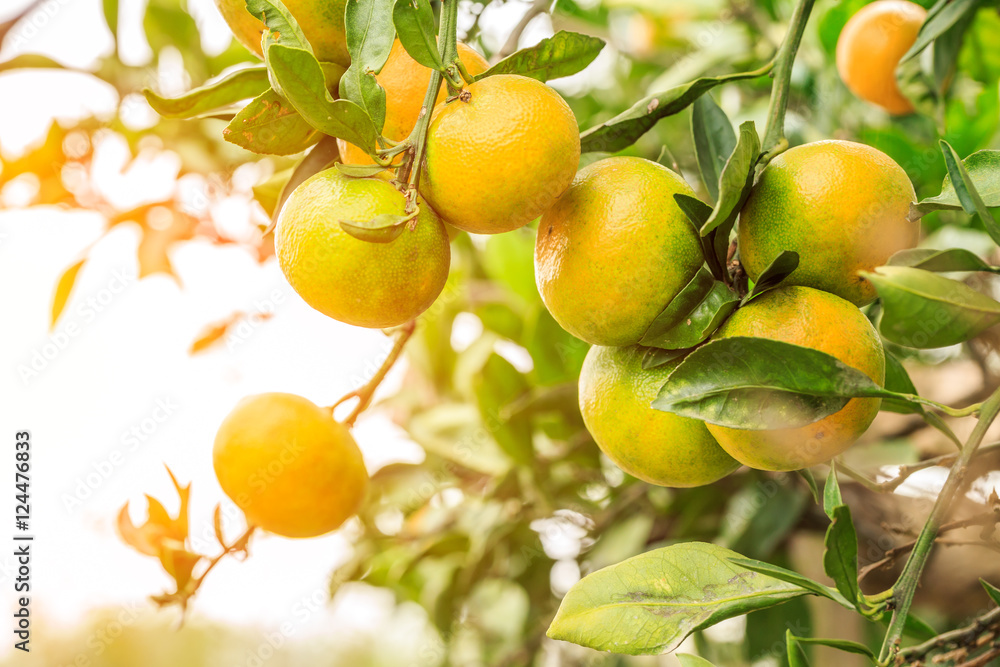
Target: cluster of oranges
(613, 250)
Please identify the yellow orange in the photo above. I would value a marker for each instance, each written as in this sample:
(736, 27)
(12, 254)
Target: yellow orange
(321, 21)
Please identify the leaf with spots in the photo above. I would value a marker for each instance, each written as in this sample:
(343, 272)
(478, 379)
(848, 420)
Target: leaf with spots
(649, 603)
(270, 125)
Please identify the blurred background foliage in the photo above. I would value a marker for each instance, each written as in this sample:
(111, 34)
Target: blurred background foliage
(513, 502)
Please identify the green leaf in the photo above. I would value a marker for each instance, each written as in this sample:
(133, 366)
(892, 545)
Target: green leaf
(654, 357)
(796, 654)
(693, 315)
(562, 54)
(30, 61)
(110, 9)
(624, 129)
(417, 31)
(941, 261)
(991, 590)
(840, 644)
(282, 28)
(167, 25)
(735, 181)
(983, 168)
(924, 310)
(947, 48)
(648, 604)
(792, 577)
(63, 289)
(831, 491)
(760, 515)
(454, 431)
(302, 79)
(810, 480)
(230, 89)
(714, 141)
(760, 384)
(384, 228)
(688, 660)
(268, 192)
(942, 16)
(898, 380)
(270, 125)
(359, 170)
(966, 191)
(840, 560)
(498, 385)
(780, 268)
(369, 40)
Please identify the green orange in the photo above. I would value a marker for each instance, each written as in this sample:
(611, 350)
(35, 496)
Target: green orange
(657, 447)
(821, 321)
(615, 249)
(405, 82)
(321, 21)
(289, 466)
(357, 281)
(500, 155)
(841, 205)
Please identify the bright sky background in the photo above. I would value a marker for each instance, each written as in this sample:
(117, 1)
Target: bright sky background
(132, 356)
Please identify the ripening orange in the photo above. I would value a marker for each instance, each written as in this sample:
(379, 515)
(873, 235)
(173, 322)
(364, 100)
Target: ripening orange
(500, 155)
(405, 82)
(291, 468)
(870, 47)
(321, 21)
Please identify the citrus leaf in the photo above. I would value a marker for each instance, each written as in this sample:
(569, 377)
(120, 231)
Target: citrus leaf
(240, 85)
(947, 48)
(966, 191)
(359, 170)
(649, 603)
(562, 54)
(840, 559)
(698, 212)
(810, 480)
(924, 310)
(688, 660)
(369, 40)
(714, 141)
(282, 28)
(383, 228)
(302, 79)
(693, 315)
(30, 61)
(268, 192)
(270, 125)
(831, 491)
(63, 289)
(942, 16)
(983, 168)
(735, 181)
(498, 385)
(655, 357)
(898, 380)
(791, 577)
(840, 644)
(624, 129)
(780, 268)
(941, 261)
(796, 654)
(417, 31)
(759, 384)
(991, 590)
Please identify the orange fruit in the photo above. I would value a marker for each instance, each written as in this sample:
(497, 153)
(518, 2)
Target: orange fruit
(657, 447)
(321, 21)
(615, 249)
(500, 156)
(824, 322)
(289, 466)
(405, 82)
(359, 282)
(842, 206)
(870, 47)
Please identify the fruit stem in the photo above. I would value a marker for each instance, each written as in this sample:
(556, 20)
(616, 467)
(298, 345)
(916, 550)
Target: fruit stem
(365, 393)
(774, 136)
(409, 172)
(906, 585)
